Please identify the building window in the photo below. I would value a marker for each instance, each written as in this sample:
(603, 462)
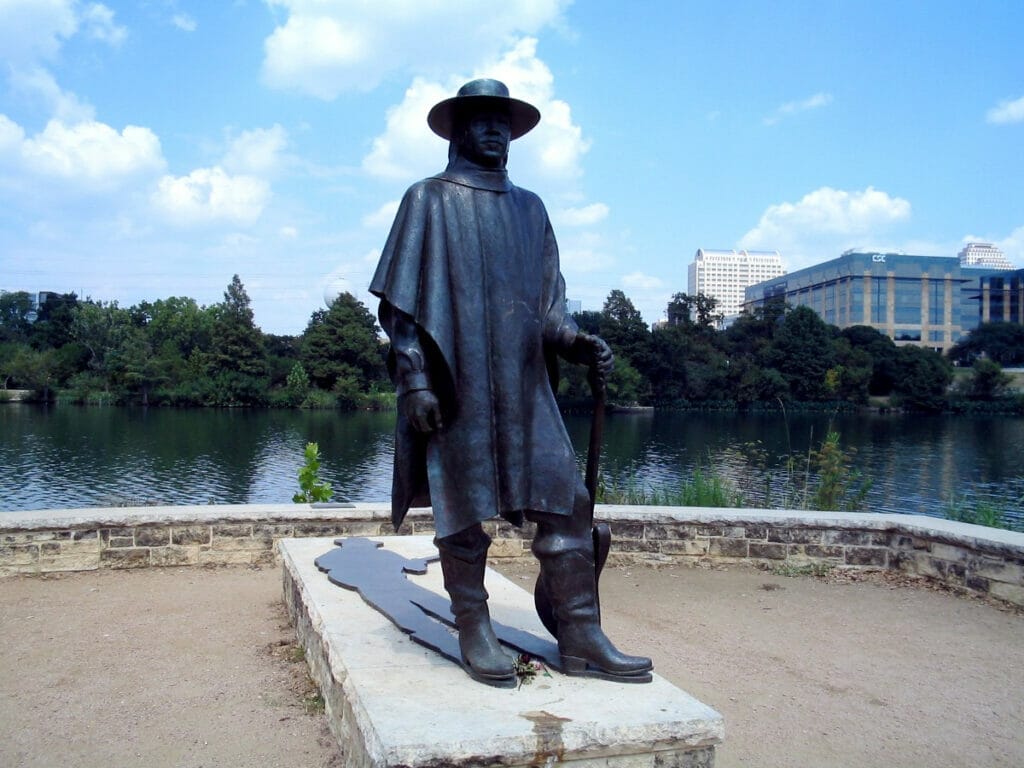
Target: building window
(908, 302)
(878, 300)
(936, 302)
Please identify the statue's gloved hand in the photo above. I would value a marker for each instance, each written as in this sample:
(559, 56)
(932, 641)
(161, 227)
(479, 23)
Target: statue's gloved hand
(594, 351)
(423, 410)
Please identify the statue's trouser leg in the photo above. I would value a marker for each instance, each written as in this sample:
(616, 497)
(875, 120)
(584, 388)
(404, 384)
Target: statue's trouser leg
(564, 545)
(463, 562)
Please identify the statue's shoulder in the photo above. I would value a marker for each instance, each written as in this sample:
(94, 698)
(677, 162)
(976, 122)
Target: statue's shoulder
(426, 189)
(529, 200)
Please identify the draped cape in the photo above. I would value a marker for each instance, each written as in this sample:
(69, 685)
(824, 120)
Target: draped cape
(472, 260)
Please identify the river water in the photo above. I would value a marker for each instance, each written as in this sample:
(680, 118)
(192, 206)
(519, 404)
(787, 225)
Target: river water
(69, 456)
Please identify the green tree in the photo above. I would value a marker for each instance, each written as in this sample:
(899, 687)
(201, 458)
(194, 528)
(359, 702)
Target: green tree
(135, 370)
(297, 385)
(623, 328)
(35, 369)
(987, 381)
(101, 329)
(882, 351)
(341, 349)
(52, 328)
(15, 313)
(237, 363)
(698, 309)
(922, 377)
(283, 352)
(1002, 342)
(589, 322)
(802, 352)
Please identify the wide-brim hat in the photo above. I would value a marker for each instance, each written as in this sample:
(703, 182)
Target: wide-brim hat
(480, 95)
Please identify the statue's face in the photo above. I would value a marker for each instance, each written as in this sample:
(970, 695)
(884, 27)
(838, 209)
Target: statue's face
(486, 139)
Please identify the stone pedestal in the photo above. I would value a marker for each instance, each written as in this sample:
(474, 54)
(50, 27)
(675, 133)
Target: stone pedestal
(392, 703)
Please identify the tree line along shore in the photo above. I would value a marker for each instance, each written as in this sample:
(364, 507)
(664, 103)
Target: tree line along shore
(176, 352)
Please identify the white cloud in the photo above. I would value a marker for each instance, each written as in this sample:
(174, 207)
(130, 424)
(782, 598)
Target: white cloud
(641, 281)
(11, 137)
(210, 195)
(816, 101)
(407, 148)
(383, 217)
(1006, 111)
(584, 216)
(288, 232)
(824, 223)
(184, 22)
(34, 30)
(552, 151)
(62, 104)
(581, 253)
(326, 47)
(98, 22)
(91, 153)
(31, 35)
(257, 151)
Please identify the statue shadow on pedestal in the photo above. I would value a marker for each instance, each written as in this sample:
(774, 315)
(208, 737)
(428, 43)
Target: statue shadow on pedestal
(379, 576)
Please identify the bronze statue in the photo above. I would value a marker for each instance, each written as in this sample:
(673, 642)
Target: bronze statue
(474, 303)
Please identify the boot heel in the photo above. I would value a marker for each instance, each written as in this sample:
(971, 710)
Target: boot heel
(574, 665)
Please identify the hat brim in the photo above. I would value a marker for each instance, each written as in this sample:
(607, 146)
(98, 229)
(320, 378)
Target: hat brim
(523, 117)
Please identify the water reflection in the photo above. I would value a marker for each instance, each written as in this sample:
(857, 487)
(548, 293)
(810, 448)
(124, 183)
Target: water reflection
(69, 456)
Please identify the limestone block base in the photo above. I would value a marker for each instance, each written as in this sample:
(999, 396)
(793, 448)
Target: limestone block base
(392, 703)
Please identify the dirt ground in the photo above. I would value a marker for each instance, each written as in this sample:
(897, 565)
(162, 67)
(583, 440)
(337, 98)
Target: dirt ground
(195, 667)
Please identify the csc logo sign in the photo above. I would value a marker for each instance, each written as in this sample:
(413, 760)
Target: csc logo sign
(878, 258)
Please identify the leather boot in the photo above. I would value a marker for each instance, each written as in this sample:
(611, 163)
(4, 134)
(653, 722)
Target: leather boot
(463, 568)
(586, 651)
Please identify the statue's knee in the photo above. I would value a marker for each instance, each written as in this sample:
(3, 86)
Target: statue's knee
(468, 545)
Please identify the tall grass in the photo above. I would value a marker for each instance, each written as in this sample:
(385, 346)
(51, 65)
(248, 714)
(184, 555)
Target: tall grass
(704, 488)
(980, 510)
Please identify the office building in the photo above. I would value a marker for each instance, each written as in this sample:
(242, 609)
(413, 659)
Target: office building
(930, 301)
(983, 256)
(1000, 296)
(724, 275)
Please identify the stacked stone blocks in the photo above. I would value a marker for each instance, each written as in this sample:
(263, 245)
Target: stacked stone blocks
(965, 557)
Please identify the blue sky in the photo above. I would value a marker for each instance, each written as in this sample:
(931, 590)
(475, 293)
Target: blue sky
(151, 149)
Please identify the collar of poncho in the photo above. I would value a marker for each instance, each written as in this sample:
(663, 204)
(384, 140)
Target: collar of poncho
(469, 174)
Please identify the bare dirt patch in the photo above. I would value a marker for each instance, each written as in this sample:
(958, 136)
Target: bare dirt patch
(161, 667)
(197, 667)
(859, 670)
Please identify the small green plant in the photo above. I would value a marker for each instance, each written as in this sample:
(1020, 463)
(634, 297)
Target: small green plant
(527, 668)
(313, 704)
(978, 511)
(838, 486)
(806, 569)
(312, 488)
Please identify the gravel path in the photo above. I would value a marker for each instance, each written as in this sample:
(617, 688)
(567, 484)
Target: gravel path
(195, 667)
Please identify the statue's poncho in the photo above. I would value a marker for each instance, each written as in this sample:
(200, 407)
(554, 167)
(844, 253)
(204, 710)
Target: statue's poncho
(473, 261)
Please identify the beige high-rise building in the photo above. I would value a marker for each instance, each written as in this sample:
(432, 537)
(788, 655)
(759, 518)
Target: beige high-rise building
(984, 255)
(724, 275)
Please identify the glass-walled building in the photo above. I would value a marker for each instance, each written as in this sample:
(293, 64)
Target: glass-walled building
(927, 300)
(1000, 296)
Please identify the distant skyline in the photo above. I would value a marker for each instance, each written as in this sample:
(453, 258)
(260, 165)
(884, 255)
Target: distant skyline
(155, 149)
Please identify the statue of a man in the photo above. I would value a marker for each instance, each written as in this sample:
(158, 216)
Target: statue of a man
(474, 303)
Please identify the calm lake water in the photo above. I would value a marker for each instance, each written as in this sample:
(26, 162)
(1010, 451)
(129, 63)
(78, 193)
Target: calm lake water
(71, 456)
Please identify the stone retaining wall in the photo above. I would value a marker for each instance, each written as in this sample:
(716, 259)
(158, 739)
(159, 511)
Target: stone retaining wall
(967, 557)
